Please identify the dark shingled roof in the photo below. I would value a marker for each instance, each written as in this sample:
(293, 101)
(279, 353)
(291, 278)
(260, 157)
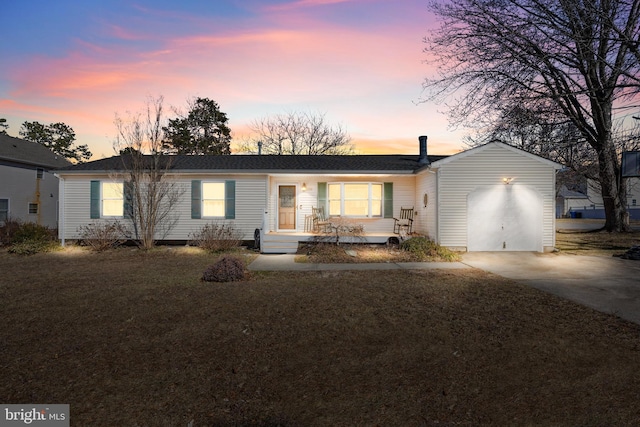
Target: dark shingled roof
(31, 153)
(397, 163)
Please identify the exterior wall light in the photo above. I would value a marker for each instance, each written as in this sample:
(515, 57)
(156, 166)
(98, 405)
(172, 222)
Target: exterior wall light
(304, 186)
(507, 181)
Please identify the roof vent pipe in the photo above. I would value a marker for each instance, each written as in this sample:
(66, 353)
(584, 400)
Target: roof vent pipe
(259, 148)
(423, 160)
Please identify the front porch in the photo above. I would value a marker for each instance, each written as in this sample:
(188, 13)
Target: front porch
(287, 242)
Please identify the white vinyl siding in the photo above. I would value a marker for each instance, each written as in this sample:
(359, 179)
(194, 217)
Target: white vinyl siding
(20, 186)
(249, 209)
(487, 167)
(425, 220)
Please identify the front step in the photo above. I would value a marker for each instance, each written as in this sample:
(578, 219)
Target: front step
(279, 247)
(274, 244)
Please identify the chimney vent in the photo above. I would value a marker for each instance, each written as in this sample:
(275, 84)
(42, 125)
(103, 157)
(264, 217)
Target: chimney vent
(259, 148)
(423, 160)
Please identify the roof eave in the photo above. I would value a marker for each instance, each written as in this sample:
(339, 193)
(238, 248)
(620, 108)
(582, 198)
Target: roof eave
(247, 172)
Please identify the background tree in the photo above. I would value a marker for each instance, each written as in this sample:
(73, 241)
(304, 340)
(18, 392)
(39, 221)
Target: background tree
(151, 193)
(58, 137)
(203, 130)
(297, 133)
(3, 126)
(571, 63)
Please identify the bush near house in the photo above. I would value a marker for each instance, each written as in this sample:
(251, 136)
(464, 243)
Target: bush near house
(103, 236)
(426, 250)
(27, 238)
(216, 237)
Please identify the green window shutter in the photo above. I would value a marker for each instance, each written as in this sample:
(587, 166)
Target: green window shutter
(128, 199)
(388, 199)
(196, 199)
(95, 200)
(230, 200)
(322, 195)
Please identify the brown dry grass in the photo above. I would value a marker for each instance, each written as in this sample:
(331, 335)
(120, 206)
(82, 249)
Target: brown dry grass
(135, 339)
(364, 253)
(367, 253)
(598, 243)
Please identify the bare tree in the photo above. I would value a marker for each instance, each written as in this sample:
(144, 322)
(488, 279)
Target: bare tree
(151, 192)
(297, 133)
(572, 62)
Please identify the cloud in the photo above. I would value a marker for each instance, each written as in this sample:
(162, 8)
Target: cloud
(364, 77)
(304, 4)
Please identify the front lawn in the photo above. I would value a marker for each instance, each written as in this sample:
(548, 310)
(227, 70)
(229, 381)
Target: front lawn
(129, 338)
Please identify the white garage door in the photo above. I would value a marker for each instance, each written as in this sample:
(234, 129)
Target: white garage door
(504, 218)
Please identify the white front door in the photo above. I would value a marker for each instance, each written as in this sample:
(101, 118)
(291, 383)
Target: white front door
(286, 207)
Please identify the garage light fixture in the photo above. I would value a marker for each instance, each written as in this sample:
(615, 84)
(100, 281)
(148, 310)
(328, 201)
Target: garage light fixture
(507, 181)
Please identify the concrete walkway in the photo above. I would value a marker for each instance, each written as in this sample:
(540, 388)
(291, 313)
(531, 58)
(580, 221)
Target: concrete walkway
(607, 284)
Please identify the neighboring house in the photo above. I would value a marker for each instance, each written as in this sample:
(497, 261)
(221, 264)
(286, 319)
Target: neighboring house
(489, 198)
(590, 205)
(28, 187)
(568, 201)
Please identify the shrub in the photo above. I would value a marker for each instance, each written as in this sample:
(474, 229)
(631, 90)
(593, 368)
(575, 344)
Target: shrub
(31, 231)
(24, 231)
(8, 230)
(215, 237)
(103, 236)
(27, 238)
(426, 249)
(32, 247)
(226, 269)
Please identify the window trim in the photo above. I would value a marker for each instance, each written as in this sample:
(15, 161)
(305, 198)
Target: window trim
(369, 199)
(224, 198)
(8, 208)
(102, 199)
(229, 198)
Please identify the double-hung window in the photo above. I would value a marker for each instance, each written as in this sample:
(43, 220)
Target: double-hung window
(107, 199)
(361, 200)
(4, 210)
(112, 198)
(213, 199)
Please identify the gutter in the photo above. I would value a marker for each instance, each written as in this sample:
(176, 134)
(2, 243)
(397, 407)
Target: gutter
(253, 172)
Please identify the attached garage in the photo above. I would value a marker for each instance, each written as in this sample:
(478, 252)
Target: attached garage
(490, 198)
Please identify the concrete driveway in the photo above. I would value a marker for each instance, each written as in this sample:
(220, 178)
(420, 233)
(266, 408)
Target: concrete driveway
(607, 284)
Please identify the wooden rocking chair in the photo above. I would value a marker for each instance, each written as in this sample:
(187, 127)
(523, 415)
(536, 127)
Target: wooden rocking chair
(405, 222)
(320, 221)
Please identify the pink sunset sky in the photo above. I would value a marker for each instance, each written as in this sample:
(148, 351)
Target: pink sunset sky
(360, 62)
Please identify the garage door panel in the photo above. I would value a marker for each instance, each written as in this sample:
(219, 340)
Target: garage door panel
(504, 218)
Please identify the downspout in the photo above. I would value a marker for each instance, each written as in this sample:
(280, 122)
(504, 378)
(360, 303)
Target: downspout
(438, 204)
(60, 209)
(38, 204)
